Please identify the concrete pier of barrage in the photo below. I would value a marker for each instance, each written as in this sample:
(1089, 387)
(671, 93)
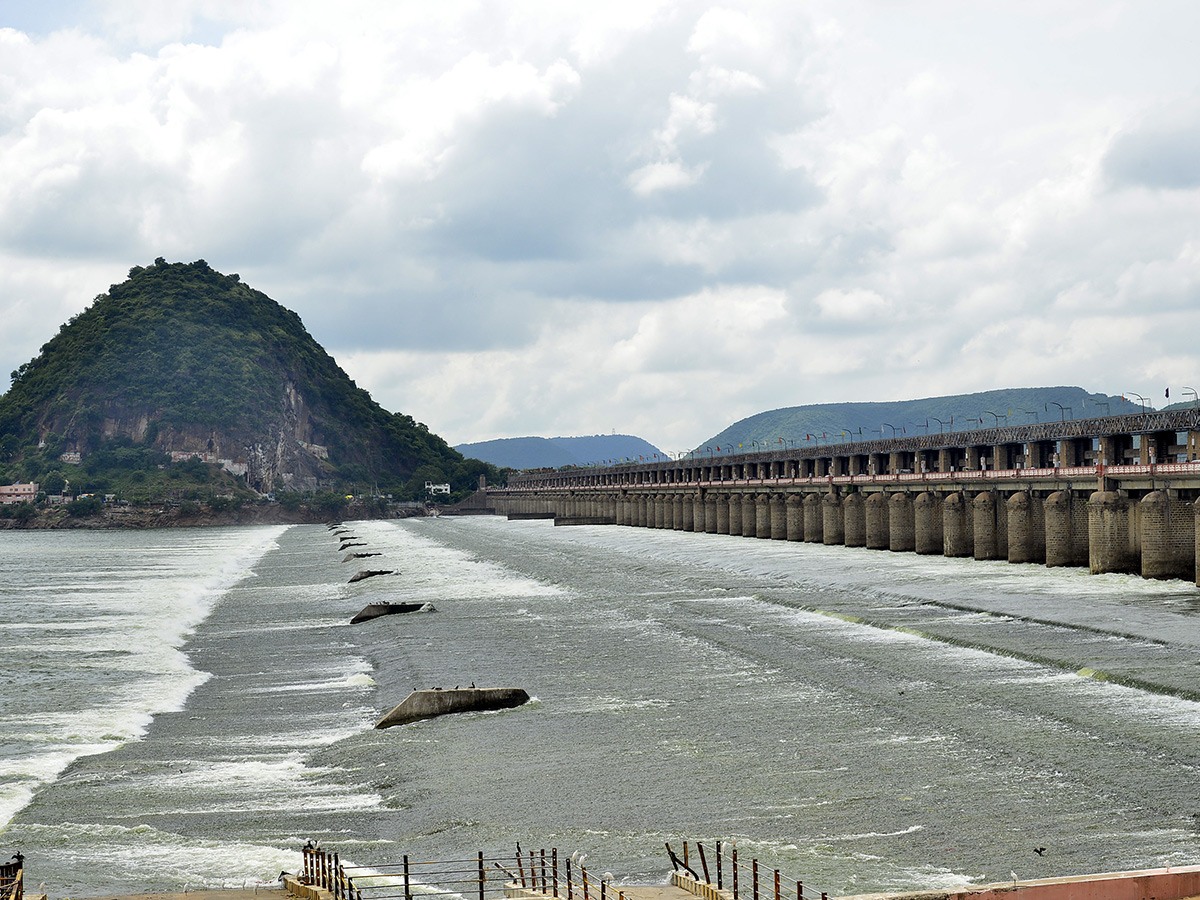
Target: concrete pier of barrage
(1114, 494)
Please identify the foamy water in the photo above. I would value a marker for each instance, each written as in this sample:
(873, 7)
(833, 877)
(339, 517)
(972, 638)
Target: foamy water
(95, 631)
(862, 720)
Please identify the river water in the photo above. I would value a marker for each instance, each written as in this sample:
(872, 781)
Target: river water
(184, 708)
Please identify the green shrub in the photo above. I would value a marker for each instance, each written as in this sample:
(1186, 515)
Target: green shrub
(85, 506)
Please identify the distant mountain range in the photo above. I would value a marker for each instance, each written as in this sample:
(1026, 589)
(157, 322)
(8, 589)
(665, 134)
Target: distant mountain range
(553, 453)
(823, 422)
(863, 421)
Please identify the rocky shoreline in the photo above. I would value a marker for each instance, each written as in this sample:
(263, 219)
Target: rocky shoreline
(57, 518)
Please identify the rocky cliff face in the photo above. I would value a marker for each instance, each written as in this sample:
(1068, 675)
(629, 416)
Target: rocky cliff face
(281, 452)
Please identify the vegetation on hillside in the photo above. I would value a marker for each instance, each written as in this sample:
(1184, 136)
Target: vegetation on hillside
(181, 349)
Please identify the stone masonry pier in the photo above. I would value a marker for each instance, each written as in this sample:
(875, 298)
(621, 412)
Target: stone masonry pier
(1115, 494)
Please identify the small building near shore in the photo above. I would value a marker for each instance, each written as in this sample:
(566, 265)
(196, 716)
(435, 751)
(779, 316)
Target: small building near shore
(18, 493)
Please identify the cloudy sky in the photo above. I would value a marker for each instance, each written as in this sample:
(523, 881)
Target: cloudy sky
(563, 218)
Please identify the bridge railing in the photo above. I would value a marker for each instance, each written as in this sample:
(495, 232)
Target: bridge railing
(545, 872)
(734, 878)
(478, 877)
(541, 873)
(1055, 473)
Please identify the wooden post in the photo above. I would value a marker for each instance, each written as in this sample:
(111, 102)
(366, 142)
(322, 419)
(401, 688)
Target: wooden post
(407, 885)
(520, 866)
(733, 865)
(720, 885)
(554, 871)
(754, 870)
(703, 862)
(482, 876)
(569, 897)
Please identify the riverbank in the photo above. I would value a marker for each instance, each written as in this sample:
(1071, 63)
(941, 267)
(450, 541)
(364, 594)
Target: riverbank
(58, 518)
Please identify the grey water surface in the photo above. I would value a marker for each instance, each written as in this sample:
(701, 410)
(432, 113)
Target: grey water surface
(861, 720)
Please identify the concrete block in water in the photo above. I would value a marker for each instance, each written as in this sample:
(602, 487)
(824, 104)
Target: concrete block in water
(369, 573)
(375, 610)
(430, 704)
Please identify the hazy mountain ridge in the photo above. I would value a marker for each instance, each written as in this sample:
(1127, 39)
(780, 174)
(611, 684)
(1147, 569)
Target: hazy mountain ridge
(864, 421)
(553, 453)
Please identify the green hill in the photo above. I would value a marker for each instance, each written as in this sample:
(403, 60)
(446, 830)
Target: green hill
(182, 359)
(863, 421)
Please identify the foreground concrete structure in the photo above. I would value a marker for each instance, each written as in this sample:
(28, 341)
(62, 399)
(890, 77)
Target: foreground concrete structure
(1115, 494)
(430, 704)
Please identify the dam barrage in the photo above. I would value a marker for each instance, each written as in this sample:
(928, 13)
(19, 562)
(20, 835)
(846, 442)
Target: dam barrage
(1114, 494)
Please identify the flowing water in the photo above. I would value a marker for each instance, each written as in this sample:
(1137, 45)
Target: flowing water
(187, 707)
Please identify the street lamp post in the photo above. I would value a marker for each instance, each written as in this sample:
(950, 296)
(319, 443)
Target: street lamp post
(891, 426)
(1141, 399)
(1192, 391)
(941, 424)
(1061, 410)
(994, 416)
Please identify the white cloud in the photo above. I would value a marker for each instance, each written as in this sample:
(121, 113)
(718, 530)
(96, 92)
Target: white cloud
(857, 306)
(650, 216)
(662, 176)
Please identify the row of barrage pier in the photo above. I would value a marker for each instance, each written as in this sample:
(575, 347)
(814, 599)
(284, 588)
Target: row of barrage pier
(1113, 494)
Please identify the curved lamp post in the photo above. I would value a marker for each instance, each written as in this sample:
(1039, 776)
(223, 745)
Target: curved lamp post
(1061, 410)
(1140, 398)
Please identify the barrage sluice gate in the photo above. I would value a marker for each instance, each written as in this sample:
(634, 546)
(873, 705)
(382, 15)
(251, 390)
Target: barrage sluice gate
(1114, 494)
